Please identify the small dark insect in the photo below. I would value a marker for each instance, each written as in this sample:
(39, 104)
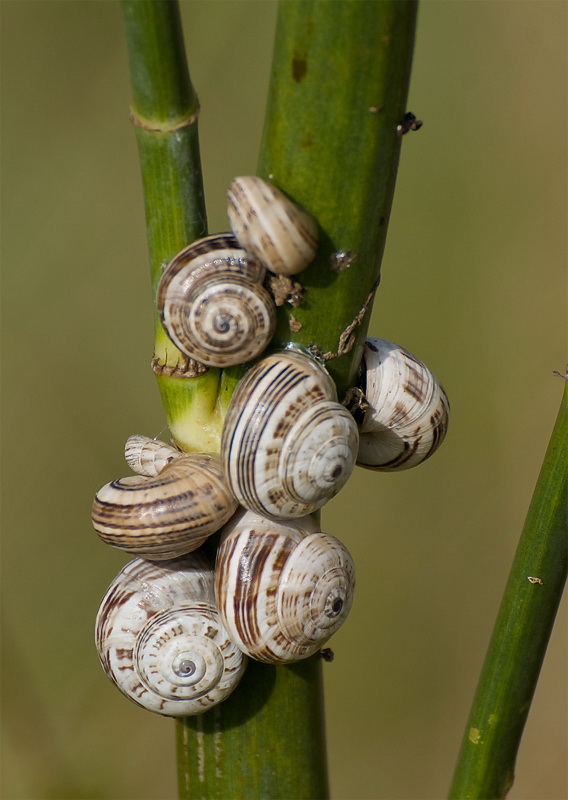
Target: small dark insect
(327, 654)
(409, 123)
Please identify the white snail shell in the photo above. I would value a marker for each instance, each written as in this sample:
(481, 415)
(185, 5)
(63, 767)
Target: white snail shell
(408, 410)
(287, 445)
(282, 588)
(167, 515)
(147, 456)
(281, 235)
(213, 305)
(160, 638)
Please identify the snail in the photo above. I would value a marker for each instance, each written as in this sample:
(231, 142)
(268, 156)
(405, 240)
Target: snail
(148, 456)
(407, 418)
(287, 445)
(282, 588)
(165, 513)
(213, 305)
(161, 641)
(266, 223)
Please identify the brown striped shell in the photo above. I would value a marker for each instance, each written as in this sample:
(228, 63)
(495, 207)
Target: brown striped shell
(408, 412)
(266, 223)
(213, 305)
(287, 445)
(161, 641)
(282, 588)
(168, 514)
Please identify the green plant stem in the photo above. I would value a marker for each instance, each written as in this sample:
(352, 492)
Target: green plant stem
(486, 763)
(266, 742)
(165, 115)
(339, 82)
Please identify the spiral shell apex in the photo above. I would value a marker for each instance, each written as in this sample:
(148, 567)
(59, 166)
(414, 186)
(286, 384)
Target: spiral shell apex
(265, 222)
(282, 588)
(408, 410)
(167, 515)
(160, 638)
(213, 305)
(287, 445)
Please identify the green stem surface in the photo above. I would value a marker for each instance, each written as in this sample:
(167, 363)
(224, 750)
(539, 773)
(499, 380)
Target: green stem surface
(486, 762)
(339, 85)
(165, 115)
(266, 741)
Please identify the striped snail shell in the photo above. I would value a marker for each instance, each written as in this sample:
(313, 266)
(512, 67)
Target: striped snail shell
(213, 305)
(287, 445)
(266, 223)
(160, 638)
(167, 514)
(282, 588)
(408, 412)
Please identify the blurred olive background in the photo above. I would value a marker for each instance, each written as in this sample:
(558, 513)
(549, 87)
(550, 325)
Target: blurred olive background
(474, 283)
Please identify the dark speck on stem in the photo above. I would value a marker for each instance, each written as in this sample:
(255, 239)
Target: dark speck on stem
(299, 68)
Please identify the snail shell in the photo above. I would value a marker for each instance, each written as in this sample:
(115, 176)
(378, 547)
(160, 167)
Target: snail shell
(287, 445)
(281, 235)
(160, 638)
(148, 456)
(282, 588)
(213, 305)
(408, 410)
(166, 515)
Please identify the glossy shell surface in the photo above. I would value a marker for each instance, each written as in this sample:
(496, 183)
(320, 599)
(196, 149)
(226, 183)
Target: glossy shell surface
(266, 223)
(167, 515)
(408, 410)
(213, 305)
(287, 445)
(160, 638)
(283, 588)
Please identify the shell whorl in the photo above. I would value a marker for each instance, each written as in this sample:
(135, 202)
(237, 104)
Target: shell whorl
(167, 515)
(266, 223)
(213, 305)
(287, 445)
(408, 410)
(282, 588)
(160, 638)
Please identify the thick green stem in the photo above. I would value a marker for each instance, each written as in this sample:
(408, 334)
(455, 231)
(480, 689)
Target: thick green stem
(486, 762)
(267, 741)
(339, 85)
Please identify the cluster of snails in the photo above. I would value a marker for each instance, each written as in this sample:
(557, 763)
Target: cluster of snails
(174, 630)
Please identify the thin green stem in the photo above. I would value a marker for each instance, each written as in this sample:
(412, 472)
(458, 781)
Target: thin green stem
(486, 762)
(165, 115)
